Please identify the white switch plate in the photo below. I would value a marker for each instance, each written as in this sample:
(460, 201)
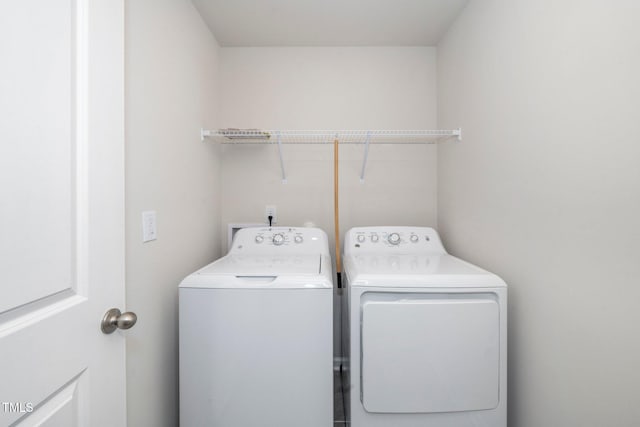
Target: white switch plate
(149, 229)
(270, 210)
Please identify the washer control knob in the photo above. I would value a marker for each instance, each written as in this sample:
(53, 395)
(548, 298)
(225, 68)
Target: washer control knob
(298, 239)
(414, 238)
(394, 238)
(374, 238)
(360, 238)
(259, 239)
(278, 239)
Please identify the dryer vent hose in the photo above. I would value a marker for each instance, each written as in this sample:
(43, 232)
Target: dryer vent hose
(336, 213)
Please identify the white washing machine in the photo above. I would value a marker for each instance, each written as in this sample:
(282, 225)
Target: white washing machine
(426, 333)
(256, 333)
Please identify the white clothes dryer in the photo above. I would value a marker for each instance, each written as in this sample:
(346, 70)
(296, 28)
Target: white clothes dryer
(426, 333)
(256, 333)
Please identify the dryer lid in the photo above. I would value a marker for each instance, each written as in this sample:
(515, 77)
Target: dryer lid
(416, 270)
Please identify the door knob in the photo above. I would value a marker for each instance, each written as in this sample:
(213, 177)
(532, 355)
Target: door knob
(113, 320)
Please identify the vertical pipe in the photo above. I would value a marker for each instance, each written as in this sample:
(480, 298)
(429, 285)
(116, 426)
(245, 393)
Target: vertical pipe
(336, 212)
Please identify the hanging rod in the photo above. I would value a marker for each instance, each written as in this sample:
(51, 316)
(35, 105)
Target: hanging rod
(260, 136)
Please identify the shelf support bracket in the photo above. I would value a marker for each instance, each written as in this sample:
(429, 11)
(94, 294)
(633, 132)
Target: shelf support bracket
(366, 156)
(284, 174)
(204, 133)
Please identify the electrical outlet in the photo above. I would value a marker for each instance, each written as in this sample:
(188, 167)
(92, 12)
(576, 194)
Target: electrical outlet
(270, 210)
(149, 230)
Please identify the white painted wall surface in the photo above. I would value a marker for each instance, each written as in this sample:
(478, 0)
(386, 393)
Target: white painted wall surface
(545, 191)
(171, 79)
(329, 88)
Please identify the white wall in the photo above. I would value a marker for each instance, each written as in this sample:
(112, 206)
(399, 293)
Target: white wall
(171, 79)
(545, 191)
(329, 88)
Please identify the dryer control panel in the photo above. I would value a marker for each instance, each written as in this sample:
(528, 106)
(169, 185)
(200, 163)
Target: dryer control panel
(423, 240)
(280, 240)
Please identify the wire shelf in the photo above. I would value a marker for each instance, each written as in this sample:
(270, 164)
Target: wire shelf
(259, 136)
(365, 137)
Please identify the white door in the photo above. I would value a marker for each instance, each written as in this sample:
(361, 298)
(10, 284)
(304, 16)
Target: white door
(61, 212)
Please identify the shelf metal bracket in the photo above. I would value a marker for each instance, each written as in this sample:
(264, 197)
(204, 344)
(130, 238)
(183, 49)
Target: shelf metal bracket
(284, 174)
(205, 133)
(366, 156)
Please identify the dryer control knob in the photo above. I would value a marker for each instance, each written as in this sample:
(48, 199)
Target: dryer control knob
(394, 238)
(278, 239)
(374, 238)
(298, 239)
(414, 238)
(259, 239)
(360, 238)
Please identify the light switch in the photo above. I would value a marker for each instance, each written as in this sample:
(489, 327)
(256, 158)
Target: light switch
(149, 229)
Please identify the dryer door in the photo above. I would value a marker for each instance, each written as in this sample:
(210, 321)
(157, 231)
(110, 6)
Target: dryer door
(435, 352)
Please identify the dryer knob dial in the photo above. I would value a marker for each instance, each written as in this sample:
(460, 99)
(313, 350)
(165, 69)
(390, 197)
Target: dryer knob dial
(374, 238)
(259, 239)
(414, 238)
(298, 239)
(394, 238)
(278, 239)
(360, 238)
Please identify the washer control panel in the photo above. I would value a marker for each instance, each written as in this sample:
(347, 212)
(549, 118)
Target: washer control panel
(278, 236)
(393, 239)
(279, 239)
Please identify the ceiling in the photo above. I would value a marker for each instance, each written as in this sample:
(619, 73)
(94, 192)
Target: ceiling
(329, 22)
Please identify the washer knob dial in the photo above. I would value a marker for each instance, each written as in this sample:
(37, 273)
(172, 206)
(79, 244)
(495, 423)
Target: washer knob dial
(394, 238)
(360, 238)
(259, 239)
(374, 238)
(278, 239)
(414, 238)
(298, 239)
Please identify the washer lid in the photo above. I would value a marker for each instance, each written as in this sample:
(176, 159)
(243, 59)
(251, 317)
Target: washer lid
(263, 271)
(265, 265)
(416, 270)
